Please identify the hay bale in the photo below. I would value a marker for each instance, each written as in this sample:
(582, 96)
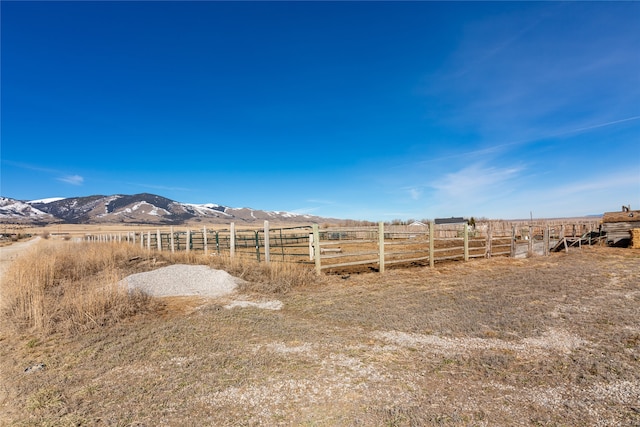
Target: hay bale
(635, 238)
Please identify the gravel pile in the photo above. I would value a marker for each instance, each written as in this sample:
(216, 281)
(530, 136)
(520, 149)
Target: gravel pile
(183, 280)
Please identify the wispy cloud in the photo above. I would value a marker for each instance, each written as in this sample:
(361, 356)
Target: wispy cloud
(72, 179)
(506, 85)
(495, 47)
(599, 125)
(474, 181)
(415, 193)
(595, 194)
(597, 186)
(501, 148)
(31, 167)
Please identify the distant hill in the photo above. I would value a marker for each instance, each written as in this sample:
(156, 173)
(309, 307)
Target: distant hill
(15, 211)
(141, 208)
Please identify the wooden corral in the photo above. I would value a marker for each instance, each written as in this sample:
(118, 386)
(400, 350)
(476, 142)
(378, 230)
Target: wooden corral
(340, 249)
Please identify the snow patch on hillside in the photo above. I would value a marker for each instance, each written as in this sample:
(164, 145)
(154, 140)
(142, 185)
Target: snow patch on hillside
(144, 208)
(45, 201)
(16, 209)
(206, 209)
(291, 214)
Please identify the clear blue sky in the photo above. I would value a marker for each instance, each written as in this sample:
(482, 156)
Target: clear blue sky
(363, 110)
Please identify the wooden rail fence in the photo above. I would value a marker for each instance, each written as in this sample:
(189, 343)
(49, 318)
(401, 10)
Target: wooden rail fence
(374, 247)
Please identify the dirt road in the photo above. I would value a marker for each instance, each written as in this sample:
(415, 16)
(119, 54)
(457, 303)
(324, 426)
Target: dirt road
(11, 252)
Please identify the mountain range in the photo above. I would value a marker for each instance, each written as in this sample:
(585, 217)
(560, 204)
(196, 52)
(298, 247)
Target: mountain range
(141, 208)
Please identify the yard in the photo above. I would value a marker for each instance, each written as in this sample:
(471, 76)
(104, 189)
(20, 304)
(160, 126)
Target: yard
(538, 341)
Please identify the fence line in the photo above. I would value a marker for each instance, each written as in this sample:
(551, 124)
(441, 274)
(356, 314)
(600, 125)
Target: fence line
(340, 248)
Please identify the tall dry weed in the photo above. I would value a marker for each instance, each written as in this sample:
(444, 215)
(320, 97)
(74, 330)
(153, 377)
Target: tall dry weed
(275, 277)
(71, 286)
(66, 287)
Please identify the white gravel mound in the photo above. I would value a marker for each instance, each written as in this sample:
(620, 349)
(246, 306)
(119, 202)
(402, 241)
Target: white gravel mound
(183, 280)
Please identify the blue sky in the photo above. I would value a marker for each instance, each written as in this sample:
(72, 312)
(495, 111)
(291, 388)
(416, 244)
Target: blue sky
(362, 110)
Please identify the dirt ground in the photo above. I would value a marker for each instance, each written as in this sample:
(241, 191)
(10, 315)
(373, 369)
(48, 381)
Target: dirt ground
(540, 341)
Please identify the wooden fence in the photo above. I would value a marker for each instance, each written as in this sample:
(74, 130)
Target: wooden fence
(339, 249)
(281, 244)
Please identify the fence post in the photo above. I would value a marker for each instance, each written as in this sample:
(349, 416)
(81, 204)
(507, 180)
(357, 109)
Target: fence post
(432, 234)
(172, 241)
(513, 241)
(142, 240)
(257, 245)
(316, 248)
(232, 241)
(547, 245)
(267, 257)
(466, 242)
(489, 245)
(281, 245)
(159, 239)
(381, 245)
(188, 244)
(530, 250)
(204, 239)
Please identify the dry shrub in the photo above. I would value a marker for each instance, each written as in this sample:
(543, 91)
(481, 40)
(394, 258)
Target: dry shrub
(66, 287)
(275, 277)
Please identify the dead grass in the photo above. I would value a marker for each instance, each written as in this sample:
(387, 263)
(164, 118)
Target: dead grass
(58, 287)
(273, 278)
(67, 287)
(541, 341)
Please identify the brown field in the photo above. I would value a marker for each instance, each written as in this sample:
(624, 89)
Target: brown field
(539, 341)
(79, 230)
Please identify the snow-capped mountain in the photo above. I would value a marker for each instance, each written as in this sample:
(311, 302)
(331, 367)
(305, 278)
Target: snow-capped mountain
(142, 208)
(22, 212)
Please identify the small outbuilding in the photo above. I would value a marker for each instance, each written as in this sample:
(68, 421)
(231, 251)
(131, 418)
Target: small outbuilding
(417, 224)
(451, 221)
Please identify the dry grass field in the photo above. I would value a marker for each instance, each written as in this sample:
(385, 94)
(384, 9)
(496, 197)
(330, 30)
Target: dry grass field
(551, 341)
